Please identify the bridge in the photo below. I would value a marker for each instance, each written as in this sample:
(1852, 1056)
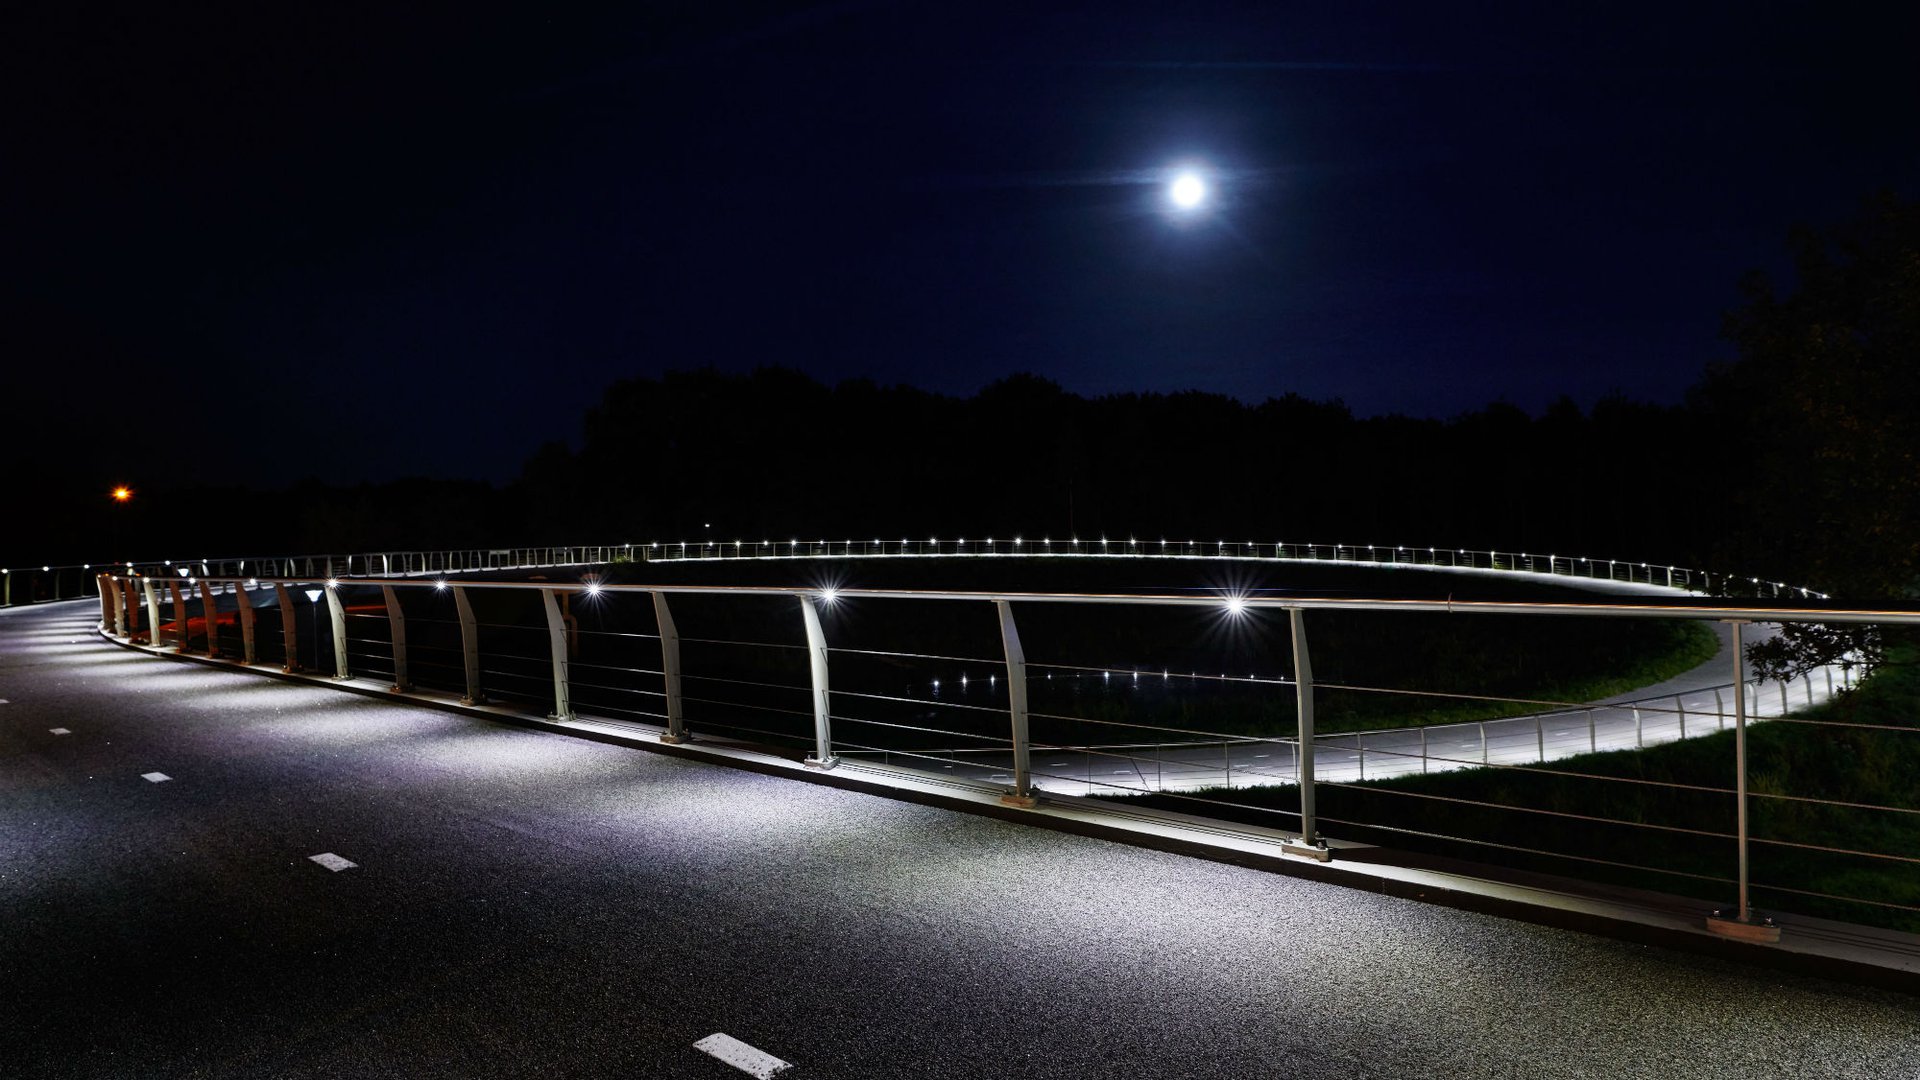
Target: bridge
(695, 888)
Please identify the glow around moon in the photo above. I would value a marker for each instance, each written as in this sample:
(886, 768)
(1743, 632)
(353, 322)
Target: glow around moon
(1187, 191)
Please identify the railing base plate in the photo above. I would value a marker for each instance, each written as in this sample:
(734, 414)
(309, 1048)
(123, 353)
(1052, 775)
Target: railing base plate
(1024, 802)
(1762, 929)
(1317, 852)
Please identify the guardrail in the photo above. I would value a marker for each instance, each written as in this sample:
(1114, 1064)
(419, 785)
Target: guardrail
(74, 581)
(432, 634)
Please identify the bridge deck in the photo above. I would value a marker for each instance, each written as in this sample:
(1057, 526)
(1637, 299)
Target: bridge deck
(530, 904)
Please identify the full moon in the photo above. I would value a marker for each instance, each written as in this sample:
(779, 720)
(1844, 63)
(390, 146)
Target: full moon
(1188, 191)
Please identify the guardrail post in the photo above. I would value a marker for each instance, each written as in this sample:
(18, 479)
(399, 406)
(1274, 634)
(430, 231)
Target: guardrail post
(817, 657)
(1022, 794)
(1540, 733)
(1309, 844)
(153, 612)
(1719, 710)
(1483, 742)
(106, 601)
(1423, 749)
(179, 615)
(211, 612)
(1783, 697)
(1743, 923)
(119, 618)
(1681, 708)
(670, 670)
(337, 619)
(132, 605)
(1639, 732)
(244, 602)
(557, 642)
(469, 646)
(1593, 743)
(397, 633)
(289, 633)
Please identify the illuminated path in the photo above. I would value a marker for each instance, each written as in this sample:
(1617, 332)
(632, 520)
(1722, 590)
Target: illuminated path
(1694, 703)
(530, 904)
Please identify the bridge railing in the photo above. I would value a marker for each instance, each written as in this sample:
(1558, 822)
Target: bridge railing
(804, 671)
(30, 584)
(1522, 562)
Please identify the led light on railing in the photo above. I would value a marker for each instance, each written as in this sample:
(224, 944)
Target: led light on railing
(829, 596)
(333, 583)
(1236, 605)
(593, 588)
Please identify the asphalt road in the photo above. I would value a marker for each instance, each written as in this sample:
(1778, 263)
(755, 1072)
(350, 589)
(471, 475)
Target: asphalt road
(526, 904)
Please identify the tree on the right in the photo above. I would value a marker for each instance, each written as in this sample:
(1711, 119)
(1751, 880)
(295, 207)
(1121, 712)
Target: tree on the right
(1821, 411)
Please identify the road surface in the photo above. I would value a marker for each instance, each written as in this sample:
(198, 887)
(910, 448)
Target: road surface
(526, 904)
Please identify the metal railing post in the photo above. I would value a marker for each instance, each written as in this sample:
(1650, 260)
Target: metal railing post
(670, 670)
(1022, 794)
(1483, 742)
(153, 613)
(119, 621)
(1742, 924)
(1540, 733)
(244, 603)
(179, 615)
(132, 605)
(1423, 749)
(557, 645)
(1681, 707)
(469, 646)
(106, 602)
(210, 612)
(337, 620)
(1593, 743)
(1309, 844)
(289, 632)
(397, 633)
(1639, 730)
(1719, 710)
(817, 660)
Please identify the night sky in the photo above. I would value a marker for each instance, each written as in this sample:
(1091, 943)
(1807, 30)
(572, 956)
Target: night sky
(356, 245)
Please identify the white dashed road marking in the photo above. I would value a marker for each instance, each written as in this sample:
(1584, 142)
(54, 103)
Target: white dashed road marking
(156, 777)
(748, 1059)
(59, 731)
(333, 862)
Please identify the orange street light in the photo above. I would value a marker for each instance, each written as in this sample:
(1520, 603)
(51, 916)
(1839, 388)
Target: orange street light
(122, 494)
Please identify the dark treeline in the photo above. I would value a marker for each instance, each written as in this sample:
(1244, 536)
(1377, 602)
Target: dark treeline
(777, 455)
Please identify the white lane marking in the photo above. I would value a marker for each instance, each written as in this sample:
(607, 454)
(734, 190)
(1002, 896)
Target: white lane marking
(748, 1059)
(332, 862)
(1262, 755)
(59, 731)
(156, 777)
